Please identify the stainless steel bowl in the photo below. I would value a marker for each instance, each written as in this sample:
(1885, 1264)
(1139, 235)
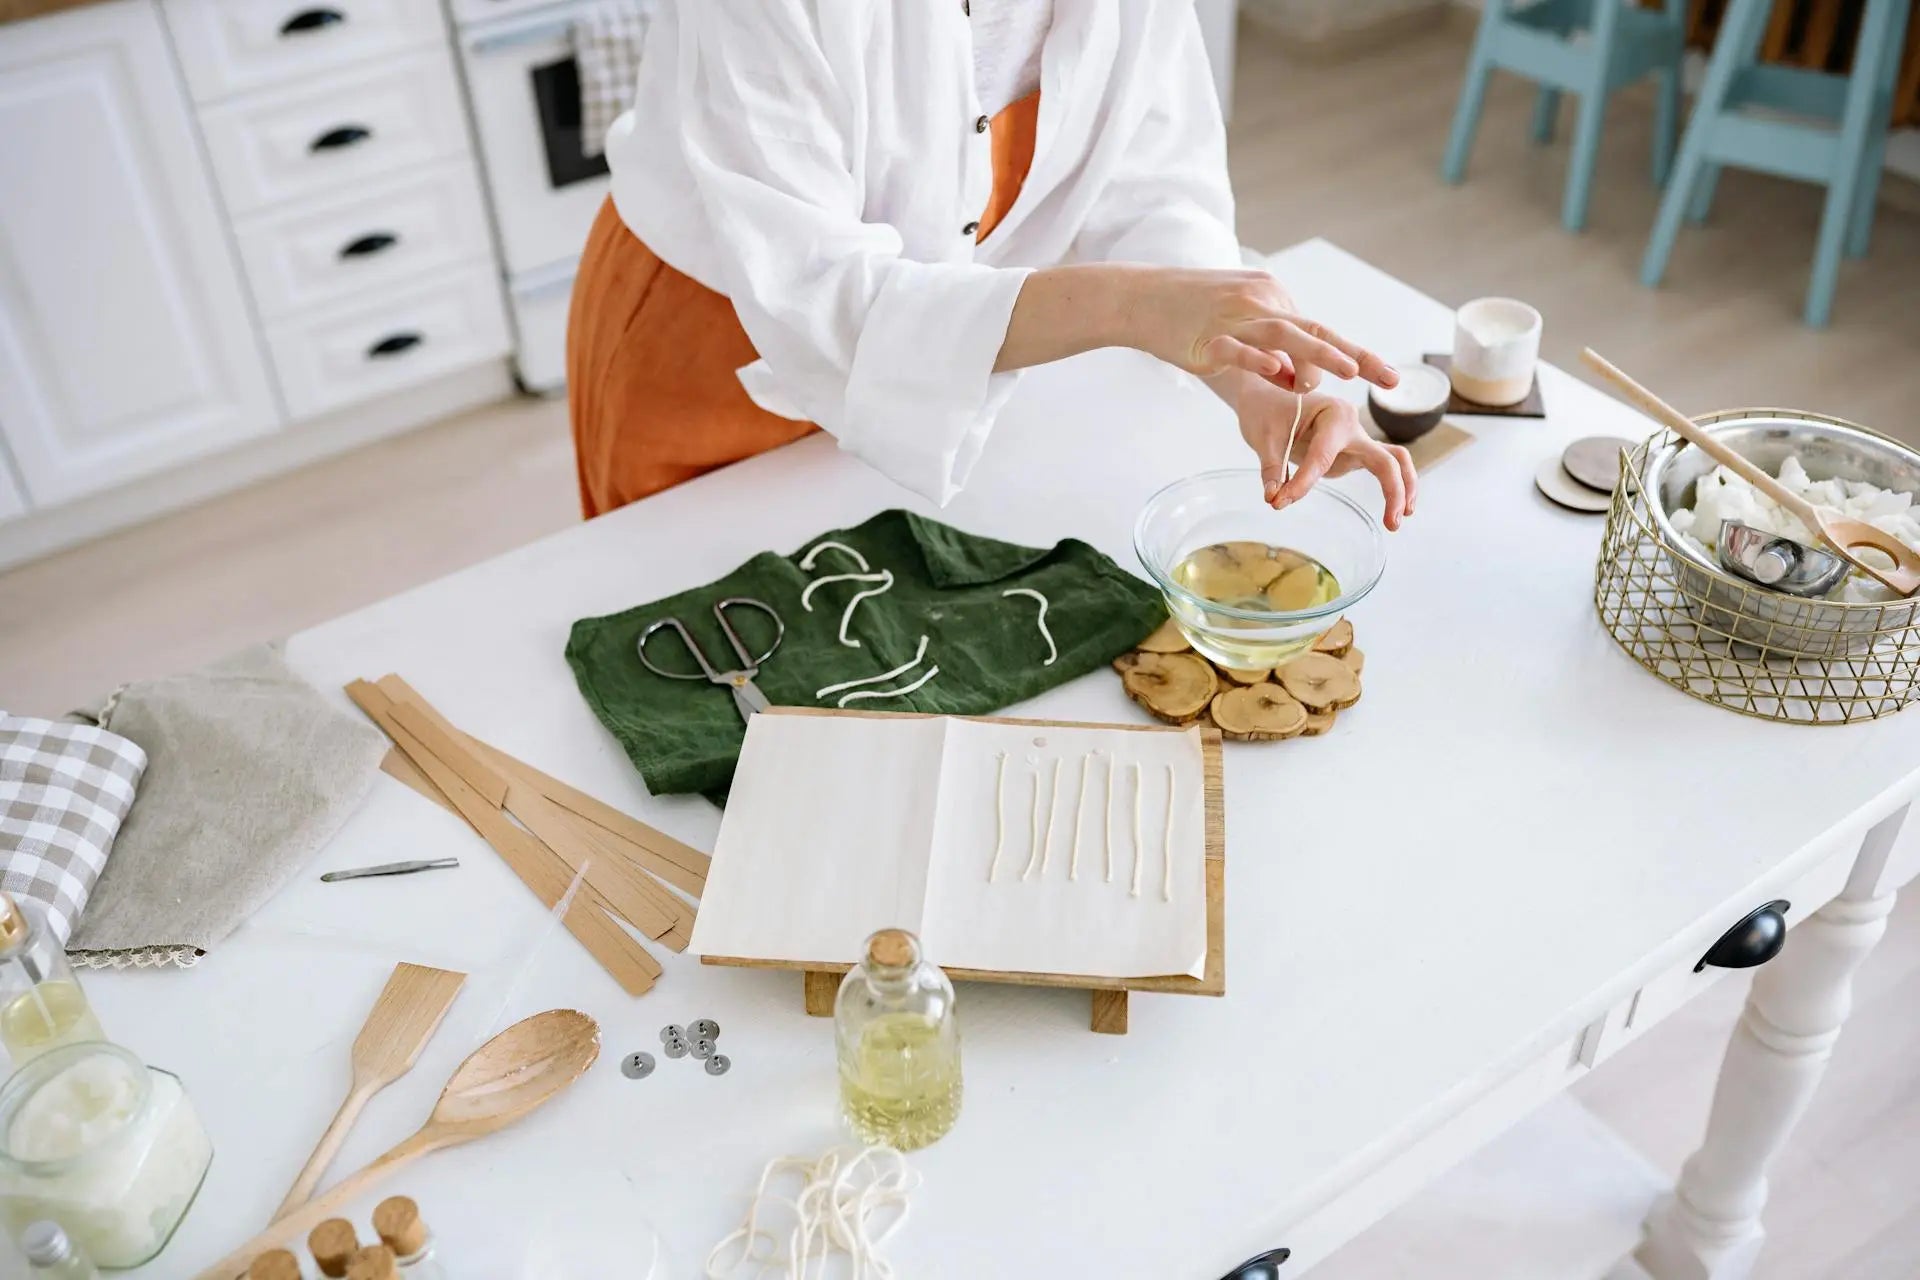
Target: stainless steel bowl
(1827, 447)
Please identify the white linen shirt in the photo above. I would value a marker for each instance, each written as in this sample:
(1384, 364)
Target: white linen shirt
(821, 163)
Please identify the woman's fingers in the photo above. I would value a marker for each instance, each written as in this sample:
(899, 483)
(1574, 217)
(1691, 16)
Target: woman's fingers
(1223, 351)
(1410, 472)
(1380, 460)
(1322, 448)
(1289, 335)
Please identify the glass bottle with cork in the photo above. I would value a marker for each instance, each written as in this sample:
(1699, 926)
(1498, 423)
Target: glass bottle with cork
(333, 1244)
(397, 1219)
(275, 1264)
(53, 1256)
(372, 1262)
(899, 1046)
(41, 1004)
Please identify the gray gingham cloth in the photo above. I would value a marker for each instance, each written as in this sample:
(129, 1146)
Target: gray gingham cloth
(606, 49)
(249, 772)
(64, 791)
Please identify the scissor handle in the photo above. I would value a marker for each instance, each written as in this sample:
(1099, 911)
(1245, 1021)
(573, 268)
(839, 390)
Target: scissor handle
(750, 664)
(673, 624)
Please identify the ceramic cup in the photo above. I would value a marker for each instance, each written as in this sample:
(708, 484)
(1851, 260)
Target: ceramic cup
(1412, 408)
(1496, 344)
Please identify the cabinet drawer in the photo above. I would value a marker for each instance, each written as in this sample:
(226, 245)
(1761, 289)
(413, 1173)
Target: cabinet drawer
(1649, 1006)
(388, 341)
(229, 46)
(308, 256)
(329, 134)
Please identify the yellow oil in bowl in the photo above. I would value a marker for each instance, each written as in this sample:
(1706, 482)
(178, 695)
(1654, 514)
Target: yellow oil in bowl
(1249, 575)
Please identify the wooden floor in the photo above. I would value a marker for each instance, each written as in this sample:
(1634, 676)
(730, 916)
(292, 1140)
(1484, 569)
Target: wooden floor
(1348, 151)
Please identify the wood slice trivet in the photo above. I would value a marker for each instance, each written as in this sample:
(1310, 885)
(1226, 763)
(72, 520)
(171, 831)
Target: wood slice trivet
(1300, 698)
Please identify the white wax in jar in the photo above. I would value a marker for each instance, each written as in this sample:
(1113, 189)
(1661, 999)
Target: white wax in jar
(1421, 389)
(117, 1175)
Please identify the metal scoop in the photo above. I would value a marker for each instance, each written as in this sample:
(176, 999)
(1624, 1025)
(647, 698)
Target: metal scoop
(1777, 563)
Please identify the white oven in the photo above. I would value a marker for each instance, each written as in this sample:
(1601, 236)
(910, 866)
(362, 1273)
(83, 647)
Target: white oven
(525, 95)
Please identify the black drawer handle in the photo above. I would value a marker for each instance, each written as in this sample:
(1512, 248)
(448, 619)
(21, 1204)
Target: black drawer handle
(312, 20)
(1755, 940)
(1266, 1266)
(393, 345)
(347, 135)
(368, 245)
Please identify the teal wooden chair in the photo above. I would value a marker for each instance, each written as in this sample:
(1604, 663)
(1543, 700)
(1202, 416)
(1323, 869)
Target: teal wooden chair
(1837, 136)
(1623, 43)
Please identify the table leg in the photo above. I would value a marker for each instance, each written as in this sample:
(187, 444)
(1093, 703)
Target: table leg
(820, 990)
(1709, 1227)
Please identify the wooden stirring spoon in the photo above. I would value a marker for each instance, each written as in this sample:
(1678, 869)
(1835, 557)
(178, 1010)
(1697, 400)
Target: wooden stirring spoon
(1843, 534)
(404, 1018)
(510, 1075)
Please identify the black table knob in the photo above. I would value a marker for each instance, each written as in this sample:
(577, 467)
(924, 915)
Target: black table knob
(1755, 940)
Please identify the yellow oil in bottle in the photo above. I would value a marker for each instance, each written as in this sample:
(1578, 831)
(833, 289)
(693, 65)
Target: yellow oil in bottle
(1254, 575)
(47, 1016)
(900, 1080)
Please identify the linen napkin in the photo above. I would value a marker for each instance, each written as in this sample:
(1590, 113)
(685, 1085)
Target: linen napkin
(64, 791)
(606, 48)
(249, 772)
(949, 586)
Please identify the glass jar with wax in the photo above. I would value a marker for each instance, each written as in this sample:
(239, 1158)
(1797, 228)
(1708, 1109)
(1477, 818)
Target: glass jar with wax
(41, 1004)
(108, 1147)
(899, 1046)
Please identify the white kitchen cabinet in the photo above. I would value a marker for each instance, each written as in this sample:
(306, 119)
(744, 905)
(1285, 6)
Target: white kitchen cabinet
(230, 46)
(126, 344)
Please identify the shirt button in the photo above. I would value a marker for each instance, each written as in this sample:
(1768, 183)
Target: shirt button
(970, 228)
(966, 8)
(980, 125)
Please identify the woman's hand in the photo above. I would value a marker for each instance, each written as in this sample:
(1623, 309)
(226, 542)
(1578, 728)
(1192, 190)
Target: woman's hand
(1208, 321)
(1330, 442)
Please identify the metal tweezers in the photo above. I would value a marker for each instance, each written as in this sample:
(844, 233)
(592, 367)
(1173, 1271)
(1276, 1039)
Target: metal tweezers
(391, 869)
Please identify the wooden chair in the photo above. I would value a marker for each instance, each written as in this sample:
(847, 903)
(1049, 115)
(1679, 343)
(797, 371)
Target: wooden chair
(1836, 136)
(1622, 43)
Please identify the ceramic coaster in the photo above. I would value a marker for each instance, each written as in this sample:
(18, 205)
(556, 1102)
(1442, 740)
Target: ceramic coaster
(1563, 490)
(1595, 461)
(1533, 406)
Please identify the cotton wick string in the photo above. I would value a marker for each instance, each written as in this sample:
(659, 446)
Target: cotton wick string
(1286, 458)
(900, 670)
(818, 547)
(999, 816)
(901, 692)
(850, 1202)
(806, 597)
(1052, 651)
(854, 603)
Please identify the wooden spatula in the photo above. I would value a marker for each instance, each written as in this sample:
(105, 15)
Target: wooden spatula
(1846, 536)
(404, 1018)
(525, 1066)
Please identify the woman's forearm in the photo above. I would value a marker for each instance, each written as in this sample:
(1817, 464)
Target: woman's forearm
(1064, 311)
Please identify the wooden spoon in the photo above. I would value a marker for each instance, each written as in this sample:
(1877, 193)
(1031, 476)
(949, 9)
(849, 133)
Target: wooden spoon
(1841, 533)
(403, 1019)
(510, 1075)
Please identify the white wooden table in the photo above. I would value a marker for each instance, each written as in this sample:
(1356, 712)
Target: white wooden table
(1498, 869)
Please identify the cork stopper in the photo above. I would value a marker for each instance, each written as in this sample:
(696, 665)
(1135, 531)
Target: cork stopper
(375, 1262)
(397, 1219)
(892, 949)
(13, 924)
(275, 1264)
(332, 1243)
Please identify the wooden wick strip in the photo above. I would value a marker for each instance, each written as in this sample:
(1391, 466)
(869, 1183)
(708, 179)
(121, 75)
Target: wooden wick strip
(536, 865)
(662, 847)
(396, 766)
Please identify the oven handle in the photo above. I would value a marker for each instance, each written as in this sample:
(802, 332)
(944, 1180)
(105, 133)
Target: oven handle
(536, 33)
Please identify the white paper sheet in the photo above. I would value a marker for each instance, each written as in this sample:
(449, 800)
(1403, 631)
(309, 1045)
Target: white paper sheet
(837, 826)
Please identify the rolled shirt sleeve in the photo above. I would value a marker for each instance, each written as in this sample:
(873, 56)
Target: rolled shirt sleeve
(893, 356)
(1168, 201)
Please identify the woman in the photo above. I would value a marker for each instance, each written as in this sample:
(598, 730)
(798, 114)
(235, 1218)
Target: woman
(871, 214)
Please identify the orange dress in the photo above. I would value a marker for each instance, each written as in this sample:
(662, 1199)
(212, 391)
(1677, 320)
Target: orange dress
(653, 356)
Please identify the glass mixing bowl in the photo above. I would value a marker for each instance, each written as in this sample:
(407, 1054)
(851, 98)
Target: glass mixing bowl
(1226, 506)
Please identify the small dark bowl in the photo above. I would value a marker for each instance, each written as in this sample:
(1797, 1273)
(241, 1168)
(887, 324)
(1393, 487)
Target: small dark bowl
(1420, 401)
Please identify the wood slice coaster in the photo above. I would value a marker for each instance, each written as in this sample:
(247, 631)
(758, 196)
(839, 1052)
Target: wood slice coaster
(1300, 698)
(1532, 406)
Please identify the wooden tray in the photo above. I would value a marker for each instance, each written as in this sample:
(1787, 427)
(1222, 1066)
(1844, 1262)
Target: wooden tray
(820, 982)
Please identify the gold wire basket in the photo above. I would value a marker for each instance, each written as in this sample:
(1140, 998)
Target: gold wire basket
(1732, 643)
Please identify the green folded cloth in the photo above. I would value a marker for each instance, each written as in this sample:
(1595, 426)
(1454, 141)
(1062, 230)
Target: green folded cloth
(949, 586)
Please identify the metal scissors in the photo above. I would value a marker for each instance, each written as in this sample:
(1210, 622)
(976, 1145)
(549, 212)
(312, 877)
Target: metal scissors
(747, 697)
